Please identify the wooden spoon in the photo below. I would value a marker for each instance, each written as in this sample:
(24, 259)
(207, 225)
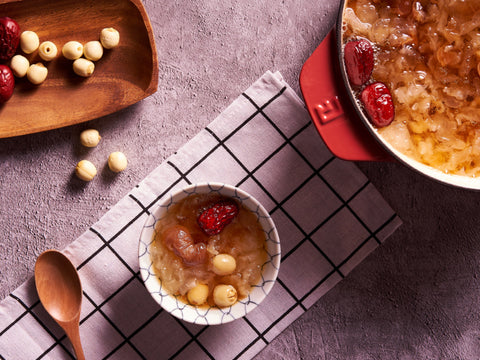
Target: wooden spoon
(60, 292)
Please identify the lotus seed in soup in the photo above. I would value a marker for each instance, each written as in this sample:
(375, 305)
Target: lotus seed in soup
(427, 53)
(209, 250)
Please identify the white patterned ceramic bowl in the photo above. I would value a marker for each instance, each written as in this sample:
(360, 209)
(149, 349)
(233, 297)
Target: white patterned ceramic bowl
(209, 315)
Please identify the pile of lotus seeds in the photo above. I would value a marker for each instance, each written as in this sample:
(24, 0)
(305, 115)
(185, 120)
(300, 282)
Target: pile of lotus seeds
(85, 170)
(72, 50)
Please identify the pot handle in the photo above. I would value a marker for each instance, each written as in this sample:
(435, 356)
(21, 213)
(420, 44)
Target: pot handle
(331, 110)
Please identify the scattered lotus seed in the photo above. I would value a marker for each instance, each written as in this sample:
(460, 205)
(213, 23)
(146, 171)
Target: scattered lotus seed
(83, 67)
(47, 50)
(72, 50)
(29, 41)
(117, 161)
(37, 73)
(109, 37)
(90, 138)
(85, 170)
(19, 65)
(93, 50)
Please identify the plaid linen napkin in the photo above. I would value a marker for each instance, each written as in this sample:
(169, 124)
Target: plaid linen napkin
(329, 217)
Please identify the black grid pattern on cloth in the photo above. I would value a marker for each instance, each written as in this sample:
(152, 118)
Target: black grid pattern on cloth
(183, 340)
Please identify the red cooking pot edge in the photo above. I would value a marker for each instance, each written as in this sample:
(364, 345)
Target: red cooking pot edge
(341, 122)
(333, 114)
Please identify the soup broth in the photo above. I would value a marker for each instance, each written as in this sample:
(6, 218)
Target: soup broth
(243, 239)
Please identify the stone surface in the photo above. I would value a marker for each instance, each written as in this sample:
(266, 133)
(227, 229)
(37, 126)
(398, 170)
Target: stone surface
(414, 297)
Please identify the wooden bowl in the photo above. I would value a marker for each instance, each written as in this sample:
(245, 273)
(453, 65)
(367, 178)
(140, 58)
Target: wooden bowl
(122, 77)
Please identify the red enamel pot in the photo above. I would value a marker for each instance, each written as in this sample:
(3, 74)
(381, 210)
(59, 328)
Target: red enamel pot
(339, 118)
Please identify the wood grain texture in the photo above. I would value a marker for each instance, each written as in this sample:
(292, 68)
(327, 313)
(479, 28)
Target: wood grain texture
(122, 77)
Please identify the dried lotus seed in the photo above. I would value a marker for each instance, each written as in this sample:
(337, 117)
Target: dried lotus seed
(37, 73)
(72, 50)
(83, 67)
(29, 41)
(224, 264)
(85, 170)
(198, 295)
(19, 65)
(224, 295)
(47, 50)
(90, 137)
(117, 161)
(109, 37)
(93, 50)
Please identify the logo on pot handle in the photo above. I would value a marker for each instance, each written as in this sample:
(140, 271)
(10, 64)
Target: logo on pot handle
(329, 110)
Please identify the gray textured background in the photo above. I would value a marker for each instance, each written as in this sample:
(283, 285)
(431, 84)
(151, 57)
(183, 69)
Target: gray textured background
(415, 297)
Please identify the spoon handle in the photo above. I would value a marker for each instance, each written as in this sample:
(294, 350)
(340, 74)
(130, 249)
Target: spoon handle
(73, 333)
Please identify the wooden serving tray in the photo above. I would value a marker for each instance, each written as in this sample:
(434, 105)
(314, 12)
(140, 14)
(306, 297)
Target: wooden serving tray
(122, 77)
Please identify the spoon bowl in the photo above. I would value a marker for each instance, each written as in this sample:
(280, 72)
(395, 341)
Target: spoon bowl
(60, 292)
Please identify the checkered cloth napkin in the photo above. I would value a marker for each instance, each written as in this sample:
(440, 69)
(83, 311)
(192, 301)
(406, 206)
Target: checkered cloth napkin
(329, 217)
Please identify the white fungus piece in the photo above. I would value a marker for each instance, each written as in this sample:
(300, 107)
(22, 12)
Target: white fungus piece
(72, 50)
(37, 73)
(85, 170)
(93, 50)
(109, 37)
(47, 50)
(117, 161)
(90, 137)
(19, 65)
(83, 67)
(29, 41)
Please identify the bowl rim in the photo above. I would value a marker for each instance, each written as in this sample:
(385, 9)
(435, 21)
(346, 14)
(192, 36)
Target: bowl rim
(209, 315)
